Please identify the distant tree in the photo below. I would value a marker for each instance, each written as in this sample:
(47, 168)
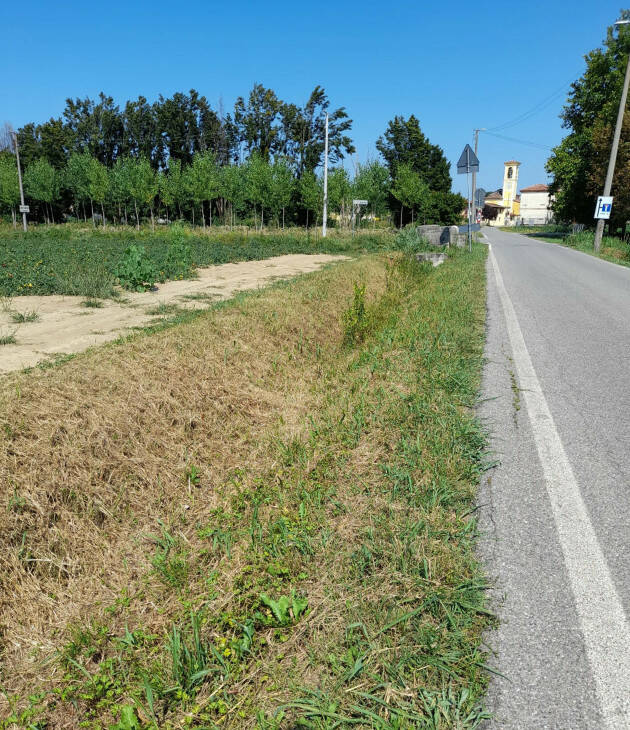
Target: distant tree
(201, 180)
(311, 195)
(410, 190)
(233, 188)
(259, 184)
(41, 183)
(576, 164)
(95, 127)
(9, 186)
(445, 209)
(141, 138)
(404, 144)
(119, 192)
(98, 185)
(6, 138)
(143, 185)
(172, 189)
(76, 178)
(339, 192)
(186, 125)
(256, 121)
(282, 187)
(372, 183)
(303, 132)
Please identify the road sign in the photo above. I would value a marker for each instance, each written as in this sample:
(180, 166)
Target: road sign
(468, 161)
(359, 202)
(25, 209)
(470, 228)
(603, 207)
(480, 197)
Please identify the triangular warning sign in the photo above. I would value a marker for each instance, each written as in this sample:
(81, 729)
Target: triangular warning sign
(468, 161)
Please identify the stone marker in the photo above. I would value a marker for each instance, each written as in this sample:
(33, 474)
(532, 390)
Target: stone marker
(456, 237)
(439, 235)
(434, 257)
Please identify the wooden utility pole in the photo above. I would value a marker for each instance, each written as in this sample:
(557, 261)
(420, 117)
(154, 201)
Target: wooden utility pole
(599, 229)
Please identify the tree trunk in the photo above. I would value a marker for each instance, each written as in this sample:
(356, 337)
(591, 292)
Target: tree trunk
(14, 217)
(283, 217)
(84, 215)
(203, 217)
(126, 221)
(401, 212)
(210, 212)
(262, 218)
(52, 213)
(193, 214)
(103, 212)
(307, 219)
(92, 210)
(152, 220)
(135, 205)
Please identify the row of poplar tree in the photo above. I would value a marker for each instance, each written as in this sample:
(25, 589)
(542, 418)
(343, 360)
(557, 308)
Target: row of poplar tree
(178, 158)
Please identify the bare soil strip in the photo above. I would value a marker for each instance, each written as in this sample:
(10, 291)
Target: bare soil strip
(64, 325)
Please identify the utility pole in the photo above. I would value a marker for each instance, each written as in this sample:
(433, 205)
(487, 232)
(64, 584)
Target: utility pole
(474, 175)
(17, 155)
(599, 228)
(325, 213)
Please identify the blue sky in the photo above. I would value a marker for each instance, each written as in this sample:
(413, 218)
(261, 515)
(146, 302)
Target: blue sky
(456, 65)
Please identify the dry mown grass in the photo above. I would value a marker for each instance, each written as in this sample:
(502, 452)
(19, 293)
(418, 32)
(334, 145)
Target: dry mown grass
(177, 482)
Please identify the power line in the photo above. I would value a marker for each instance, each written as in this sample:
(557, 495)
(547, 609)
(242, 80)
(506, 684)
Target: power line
(543, 104)
(537, 145)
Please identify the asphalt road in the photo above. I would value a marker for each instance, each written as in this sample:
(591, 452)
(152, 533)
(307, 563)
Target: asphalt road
(555, 514)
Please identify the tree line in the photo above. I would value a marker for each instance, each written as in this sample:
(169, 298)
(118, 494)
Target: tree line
(579, 163)
(179, 158)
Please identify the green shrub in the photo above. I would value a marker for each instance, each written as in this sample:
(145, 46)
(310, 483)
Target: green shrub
(409, 242)
(135, 271)
(355, 320)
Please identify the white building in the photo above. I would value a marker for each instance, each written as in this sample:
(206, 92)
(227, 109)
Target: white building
(535, 205)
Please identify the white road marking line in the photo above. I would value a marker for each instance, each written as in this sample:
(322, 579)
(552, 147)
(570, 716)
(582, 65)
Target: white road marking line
(603, 621)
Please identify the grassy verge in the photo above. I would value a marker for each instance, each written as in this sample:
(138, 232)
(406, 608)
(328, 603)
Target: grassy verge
(612, 249)
(79, 260)
(278, 533)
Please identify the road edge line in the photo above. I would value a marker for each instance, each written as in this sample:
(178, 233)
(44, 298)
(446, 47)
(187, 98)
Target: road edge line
(604, 625)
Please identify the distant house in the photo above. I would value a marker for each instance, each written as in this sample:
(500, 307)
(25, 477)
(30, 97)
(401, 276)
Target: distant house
(535, 205)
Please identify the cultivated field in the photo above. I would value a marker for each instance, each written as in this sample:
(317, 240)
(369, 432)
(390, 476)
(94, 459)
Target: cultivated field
(259, 517)
(79, 260)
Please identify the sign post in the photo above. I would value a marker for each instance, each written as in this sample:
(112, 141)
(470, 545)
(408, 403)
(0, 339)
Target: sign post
(467, 163)
(603, 208)
(356, 207)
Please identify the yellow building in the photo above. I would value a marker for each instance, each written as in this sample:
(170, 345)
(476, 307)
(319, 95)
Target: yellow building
(511, 201)
(507, 202)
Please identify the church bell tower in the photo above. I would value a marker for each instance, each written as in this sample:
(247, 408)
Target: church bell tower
(510, 184)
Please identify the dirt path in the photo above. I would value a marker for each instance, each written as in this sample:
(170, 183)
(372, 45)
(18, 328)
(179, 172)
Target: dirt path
(64, 325)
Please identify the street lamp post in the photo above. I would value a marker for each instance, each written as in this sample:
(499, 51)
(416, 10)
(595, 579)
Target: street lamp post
(474, 175)
(599, 229)
(19, 169)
